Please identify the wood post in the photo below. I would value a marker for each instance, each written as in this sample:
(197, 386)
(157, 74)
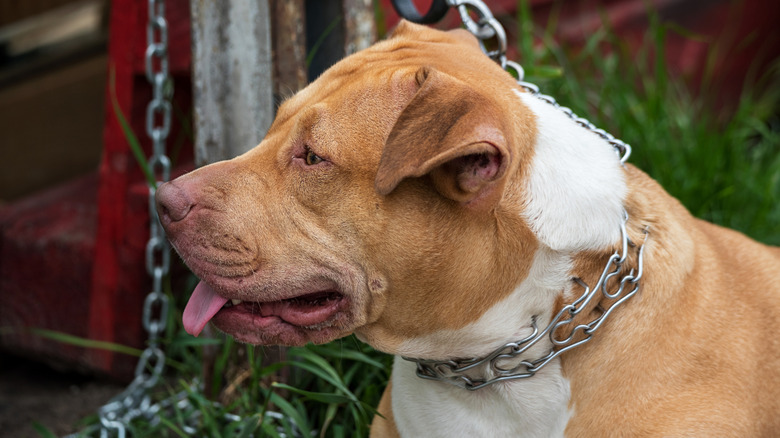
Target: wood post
(359, 25)
(288, 34)
(232, 77)
(247, 55)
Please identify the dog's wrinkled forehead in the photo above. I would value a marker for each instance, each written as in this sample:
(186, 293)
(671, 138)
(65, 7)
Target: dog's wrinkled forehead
(408, 48)
(408, 30)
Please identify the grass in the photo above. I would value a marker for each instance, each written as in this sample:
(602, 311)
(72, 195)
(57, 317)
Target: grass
(725, 171)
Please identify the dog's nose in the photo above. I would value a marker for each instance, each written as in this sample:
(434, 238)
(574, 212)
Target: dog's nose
(173, 203)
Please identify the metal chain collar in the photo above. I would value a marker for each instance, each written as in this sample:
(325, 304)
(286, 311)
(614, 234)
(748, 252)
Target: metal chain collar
(486, 27)
(494, 365)
(135, 400)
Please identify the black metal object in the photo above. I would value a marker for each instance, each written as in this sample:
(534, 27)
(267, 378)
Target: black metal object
(407, 10)
(324, 35)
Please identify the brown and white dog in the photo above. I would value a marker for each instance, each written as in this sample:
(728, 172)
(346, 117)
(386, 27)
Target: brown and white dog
(415, 196)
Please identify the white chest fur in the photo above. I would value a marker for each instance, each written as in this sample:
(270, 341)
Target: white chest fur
(536, 407)
(533, 407)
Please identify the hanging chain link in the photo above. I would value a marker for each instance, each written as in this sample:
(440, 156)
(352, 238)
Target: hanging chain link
(158, 126)
(135, 401)
(486, 28)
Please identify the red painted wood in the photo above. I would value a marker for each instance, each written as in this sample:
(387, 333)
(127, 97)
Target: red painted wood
(126, 28)
(46, 249)
(72, 257)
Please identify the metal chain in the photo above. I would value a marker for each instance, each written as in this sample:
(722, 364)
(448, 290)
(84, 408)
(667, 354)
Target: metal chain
(492, 366)
(135, 400)
(487, 28)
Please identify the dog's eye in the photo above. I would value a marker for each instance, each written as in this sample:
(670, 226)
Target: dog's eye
(311, 158)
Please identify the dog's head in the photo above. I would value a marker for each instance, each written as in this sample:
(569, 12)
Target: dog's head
(399, 194)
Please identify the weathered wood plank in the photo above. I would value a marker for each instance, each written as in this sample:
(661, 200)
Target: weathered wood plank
(232, 77)
(288, 29)
(359, 25)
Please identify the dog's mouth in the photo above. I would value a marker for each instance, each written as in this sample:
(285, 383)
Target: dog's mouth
(313, 310)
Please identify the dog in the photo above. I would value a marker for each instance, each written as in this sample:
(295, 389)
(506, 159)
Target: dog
(527, 281)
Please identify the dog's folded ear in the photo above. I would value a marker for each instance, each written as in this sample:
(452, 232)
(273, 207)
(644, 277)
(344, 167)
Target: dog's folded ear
(451, 133)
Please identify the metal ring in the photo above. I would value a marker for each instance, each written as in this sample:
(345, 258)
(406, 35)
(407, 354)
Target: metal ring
(408, 11)
(162, 107)
(157, 245)
(549, 99)
(164, 164)
(475, 27)
(155, 326)
(529, 87)
(159, 52)
(149, 380)
(626, 153)
(156, 9)
(517, 68)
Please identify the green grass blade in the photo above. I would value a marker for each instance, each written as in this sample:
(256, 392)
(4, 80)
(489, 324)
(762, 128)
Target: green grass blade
(290, 411)
(173, 427)
(323, 397)
(249, 426)
(69, 339)
(42, 430)
(321, 40)
(339, 351)
(66, 338)
(132, 140)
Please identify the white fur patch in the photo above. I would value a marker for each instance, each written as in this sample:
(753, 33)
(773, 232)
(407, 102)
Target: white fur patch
(576, 187)
(528, 408)
(508, 320)
(534, 407)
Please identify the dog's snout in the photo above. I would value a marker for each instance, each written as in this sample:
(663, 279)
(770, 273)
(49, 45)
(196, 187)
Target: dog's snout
(173, 203)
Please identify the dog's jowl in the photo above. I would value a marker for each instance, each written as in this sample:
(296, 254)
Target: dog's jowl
(414, 195)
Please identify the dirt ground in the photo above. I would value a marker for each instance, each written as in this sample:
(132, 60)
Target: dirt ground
(32, 392)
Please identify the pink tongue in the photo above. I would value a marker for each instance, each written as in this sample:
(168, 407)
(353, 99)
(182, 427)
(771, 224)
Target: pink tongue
(202, 306)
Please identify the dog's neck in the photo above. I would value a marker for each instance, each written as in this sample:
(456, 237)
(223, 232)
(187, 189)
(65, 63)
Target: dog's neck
(571, 326)
(532, 407)
(538, 405)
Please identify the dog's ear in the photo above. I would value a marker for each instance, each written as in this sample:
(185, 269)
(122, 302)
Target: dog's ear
(451, 133)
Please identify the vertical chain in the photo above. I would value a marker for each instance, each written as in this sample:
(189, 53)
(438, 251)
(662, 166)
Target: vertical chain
(135, 401)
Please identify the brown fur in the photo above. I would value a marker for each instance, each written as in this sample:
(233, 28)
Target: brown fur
(419, 240)
(693, 354)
